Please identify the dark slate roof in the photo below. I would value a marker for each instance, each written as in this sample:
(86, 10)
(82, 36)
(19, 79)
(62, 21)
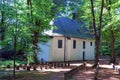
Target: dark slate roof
(70, 28)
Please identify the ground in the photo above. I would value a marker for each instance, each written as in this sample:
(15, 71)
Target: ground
(105, 73)
(45, 74)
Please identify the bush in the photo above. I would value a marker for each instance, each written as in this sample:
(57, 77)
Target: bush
(10, 62)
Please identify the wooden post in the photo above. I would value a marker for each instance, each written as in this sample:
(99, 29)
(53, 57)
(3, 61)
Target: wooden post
(28, 68)
(8, 66)
(119, 71)
(41, 67)
(113, 66)
(34, 67)
(17, 67)
(68, 64)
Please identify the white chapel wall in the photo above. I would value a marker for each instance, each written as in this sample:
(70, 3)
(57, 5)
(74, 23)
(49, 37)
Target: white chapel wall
(57, 54)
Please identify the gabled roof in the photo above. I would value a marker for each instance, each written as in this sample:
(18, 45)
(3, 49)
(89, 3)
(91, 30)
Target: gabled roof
(69, 28)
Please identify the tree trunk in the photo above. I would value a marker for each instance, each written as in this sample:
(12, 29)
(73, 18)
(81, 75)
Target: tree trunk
(97, 51)
(35, 46)
(35, 36)
(15, 43)
(113, 60)
(2, 28)
(36, 39)
(97, 31)
(112, 57)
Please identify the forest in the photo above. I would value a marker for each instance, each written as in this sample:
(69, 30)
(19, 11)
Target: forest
(22, 23)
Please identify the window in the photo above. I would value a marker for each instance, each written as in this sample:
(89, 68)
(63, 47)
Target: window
(90, 43)
(74, 44)
(83, 44)
(59, 43)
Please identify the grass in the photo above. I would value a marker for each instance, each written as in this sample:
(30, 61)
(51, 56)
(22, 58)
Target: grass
(32, 75)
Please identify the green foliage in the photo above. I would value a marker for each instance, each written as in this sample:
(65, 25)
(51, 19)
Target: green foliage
(14, 19)
(66, 7)
(84, 15)
(10, 62)
(111, 23)
(17, 23)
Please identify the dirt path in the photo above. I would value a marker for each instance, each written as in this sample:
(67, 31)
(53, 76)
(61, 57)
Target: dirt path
(56, 76)
(49, 74)
(104, 74)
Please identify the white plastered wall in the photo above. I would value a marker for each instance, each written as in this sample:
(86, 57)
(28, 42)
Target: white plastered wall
(57, 54)
(44, 51)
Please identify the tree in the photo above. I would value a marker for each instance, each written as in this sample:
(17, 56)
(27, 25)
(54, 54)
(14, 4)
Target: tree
(30, 17)
(39, 17)
(112, 26)
(15, 25)
(97, 29)
(3, 18)
(66, 7)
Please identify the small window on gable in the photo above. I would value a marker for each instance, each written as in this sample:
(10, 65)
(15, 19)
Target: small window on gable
(90, 43)
(59, 43)
(74, 44)
(83, 44)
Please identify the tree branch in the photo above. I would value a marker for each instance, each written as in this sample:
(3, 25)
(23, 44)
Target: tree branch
(100, 18)
(93, 18)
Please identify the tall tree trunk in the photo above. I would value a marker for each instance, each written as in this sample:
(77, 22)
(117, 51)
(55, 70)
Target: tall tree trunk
(15, 51)
(35, 46)
(97, 34)
(97, 51)
(15, 41)
(35, 36)
(2, 28)
(35, 39)
(112, 57)
(97, 31)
